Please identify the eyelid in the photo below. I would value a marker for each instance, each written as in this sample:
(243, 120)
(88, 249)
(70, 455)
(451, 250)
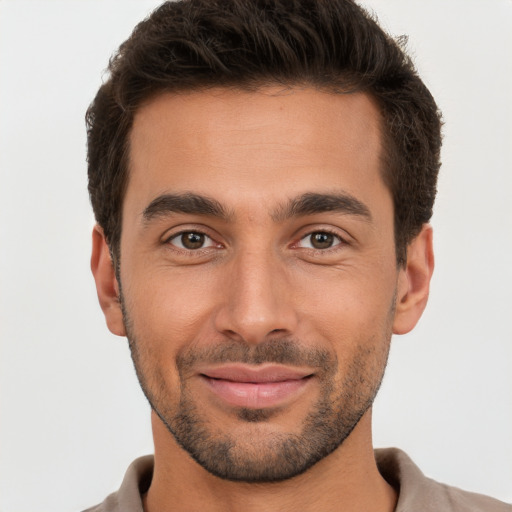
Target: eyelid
(342, 237)
(185, 228)
(336, 242)
(181, 230)
(209, 242)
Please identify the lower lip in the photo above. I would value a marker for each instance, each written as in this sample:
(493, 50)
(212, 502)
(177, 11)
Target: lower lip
(256, 395)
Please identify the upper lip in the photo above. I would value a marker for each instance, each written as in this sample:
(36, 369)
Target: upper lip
(256, 374)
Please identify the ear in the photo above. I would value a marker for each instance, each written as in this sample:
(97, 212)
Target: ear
(414, 282)
(107, 286)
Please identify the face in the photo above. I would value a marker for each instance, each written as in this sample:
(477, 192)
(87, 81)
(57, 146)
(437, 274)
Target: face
(258, 273)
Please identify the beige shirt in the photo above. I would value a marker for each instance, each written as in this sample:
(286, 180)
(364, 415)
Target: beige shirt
(417, 493)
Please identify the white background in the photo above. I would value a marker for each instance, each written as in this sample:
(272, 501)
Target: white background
(72, 415)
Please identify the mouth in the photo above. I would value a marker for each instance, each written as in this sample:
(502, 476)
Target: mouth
(256, 387)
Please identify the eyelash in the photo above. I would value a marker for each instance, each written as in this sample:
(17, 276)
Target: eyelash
(339, 242)
(187, 251)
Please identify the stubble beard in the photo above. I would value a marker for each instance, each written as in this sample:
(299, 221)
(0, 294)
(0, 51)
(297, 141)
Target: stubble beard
(265, 458)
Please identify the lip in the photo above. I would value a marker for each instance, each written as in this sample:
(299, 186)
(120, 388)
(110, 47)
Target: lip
(255, 387)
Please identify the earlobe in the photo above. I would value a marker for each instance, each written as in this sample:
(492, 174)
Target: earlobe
(414, 282)
(106, 283)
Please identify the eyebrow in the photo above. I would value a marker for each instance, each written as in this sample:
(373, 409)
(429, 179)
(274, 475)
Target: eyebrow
(312, 203)
(188, 203)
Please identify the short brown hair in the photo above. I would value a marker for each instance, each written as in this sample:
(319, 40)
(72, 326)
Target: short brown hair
(332, 45)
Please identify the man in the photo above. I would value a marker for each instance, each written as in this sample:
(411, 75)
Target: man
(262, 175)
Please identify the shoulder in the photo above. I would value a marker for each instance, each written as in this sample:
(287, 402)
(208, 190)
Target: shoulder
(422, 494)
(129, 496)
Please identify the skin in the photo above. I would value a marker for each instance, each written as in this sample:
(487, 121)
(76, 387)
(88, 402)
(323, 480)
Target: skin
(259, 278)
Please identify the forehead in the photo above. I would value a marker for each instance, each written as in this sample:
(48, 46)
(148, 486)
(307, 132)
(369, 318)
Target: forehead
(247, 142)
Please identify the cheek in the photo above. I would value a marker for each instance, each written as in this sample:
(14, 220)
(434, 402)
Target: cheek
(349, 303)
(168, 308)
(167, 315)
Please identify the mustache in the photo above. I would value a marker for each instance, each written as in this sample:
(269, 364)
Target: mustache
(278, 351)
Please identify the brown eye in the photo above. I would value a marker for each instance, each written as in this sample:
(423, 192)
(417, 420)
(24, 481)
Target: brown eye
(320, 240)
(191, 240)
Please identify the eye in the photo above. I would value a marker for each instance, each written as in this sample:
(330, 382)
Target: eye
(191, 240)
(319, 240)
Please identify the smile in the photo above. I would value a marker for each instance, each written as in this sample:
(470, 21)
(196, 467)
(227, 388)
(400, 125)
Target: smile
(255, 388)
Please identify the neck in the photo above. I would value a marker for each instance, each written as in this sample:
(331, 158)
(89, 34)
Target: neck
(347, 479)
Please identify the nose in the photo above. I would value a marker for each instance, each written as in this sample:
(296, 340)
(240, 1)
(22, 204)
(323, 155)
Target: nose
(257, 300)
